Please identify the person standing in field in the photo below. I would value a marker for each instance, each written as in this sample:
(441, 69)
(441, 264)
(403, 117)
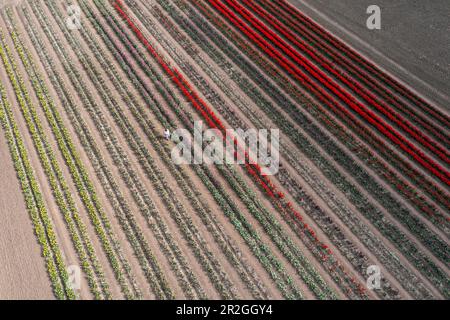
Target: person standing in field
(167, 134)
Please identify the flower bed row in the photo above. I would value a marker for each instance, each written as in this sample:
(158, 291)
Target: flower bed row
(325, 97)
(404, 91)
(148, 262)
(86, 189)
(341, 182)
(178, 263)
(397, 183)
(202, 209)
(356, 70)
(273, 230)
(348, 249)
(443, 252)
(111, 188)
(42, 224)
(319, 112)
(122, 36)
(274, 268)
(432, 145)
(354, 166)
(212, 119)
(61, 192)
(200, 248)
(221, 106)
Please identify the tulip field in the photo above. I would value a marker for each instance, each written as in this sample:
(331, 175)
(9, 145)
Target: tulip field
(98, 209)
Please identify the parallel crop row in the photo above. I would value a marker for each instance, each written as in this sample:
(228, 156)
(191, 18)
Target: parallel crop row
(326, 223)
(305, 270)
(148, 262)
(175, 208)
(76, 226)
(374, 70)
(89, 196)
(439, 248)
(329, 67)
(111, 188)
(318, 248)
(363, 170)
(124, 38)
(368, 209)
(201, 208)
(34, 202)
(305, 79)
(309, 33)
(274, 268)
(218, 102)
(314, 70)
(321, 114)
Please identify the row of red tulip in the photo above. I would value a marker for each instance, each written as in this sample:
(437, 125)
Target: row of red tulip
(363, 75)
(328, 65)
(404, 91)
(277, 24)
(321, 94)
(362, 131)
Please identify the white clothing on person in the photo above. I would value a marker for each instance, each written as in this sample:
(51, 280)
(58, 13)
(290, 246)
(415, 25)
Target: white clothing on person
(167, 134)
